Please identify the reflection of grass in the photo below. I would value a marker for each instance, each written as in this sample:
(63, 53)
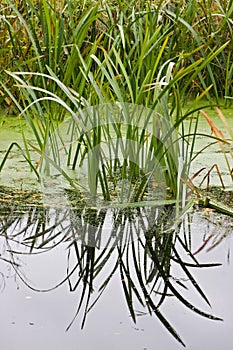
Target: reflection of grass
(143, 254)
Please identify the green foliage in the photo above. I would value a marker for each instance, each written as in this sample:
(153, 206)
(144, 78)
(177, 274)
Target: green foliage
(44, 34)
(66, 58)
(40, 33)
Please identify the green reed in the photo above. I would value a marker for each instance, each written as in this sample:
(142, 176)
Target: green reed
(128, 63)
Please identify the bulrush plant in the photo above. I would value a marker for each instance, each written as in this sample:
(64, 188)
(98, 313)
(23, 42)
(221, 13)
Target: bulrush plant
(41, 34)
(121, 141)
(124, 110)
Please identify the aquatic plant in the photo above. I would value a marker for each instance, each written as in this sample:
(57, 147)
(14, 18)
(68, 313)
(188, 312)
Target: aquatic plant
(125, 61)
(36, 34)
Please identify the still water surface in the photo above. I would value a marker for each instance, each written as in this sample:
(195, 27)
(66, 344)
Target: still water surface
(32, 319)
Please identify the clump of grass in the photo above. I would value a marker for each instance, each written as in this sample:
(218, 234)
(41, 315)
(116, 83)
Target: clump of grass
(37, 34)
(130, 62)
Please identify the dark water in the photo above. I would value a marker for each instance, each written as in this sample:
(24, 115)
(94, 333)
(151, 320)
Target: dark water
(33, 318)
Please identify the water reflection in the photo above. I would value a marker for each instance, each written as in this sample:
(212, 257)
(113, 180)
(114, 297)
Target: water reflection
(154, 262)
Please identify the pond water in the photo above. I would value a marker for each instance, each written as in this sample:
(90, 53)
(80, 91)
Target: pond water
(40, 294)
(46, 273)
(213, 154)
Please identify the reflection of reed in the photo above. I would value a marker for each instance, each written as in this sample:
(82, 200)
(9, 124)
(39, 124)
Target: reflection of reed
(142, 253)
